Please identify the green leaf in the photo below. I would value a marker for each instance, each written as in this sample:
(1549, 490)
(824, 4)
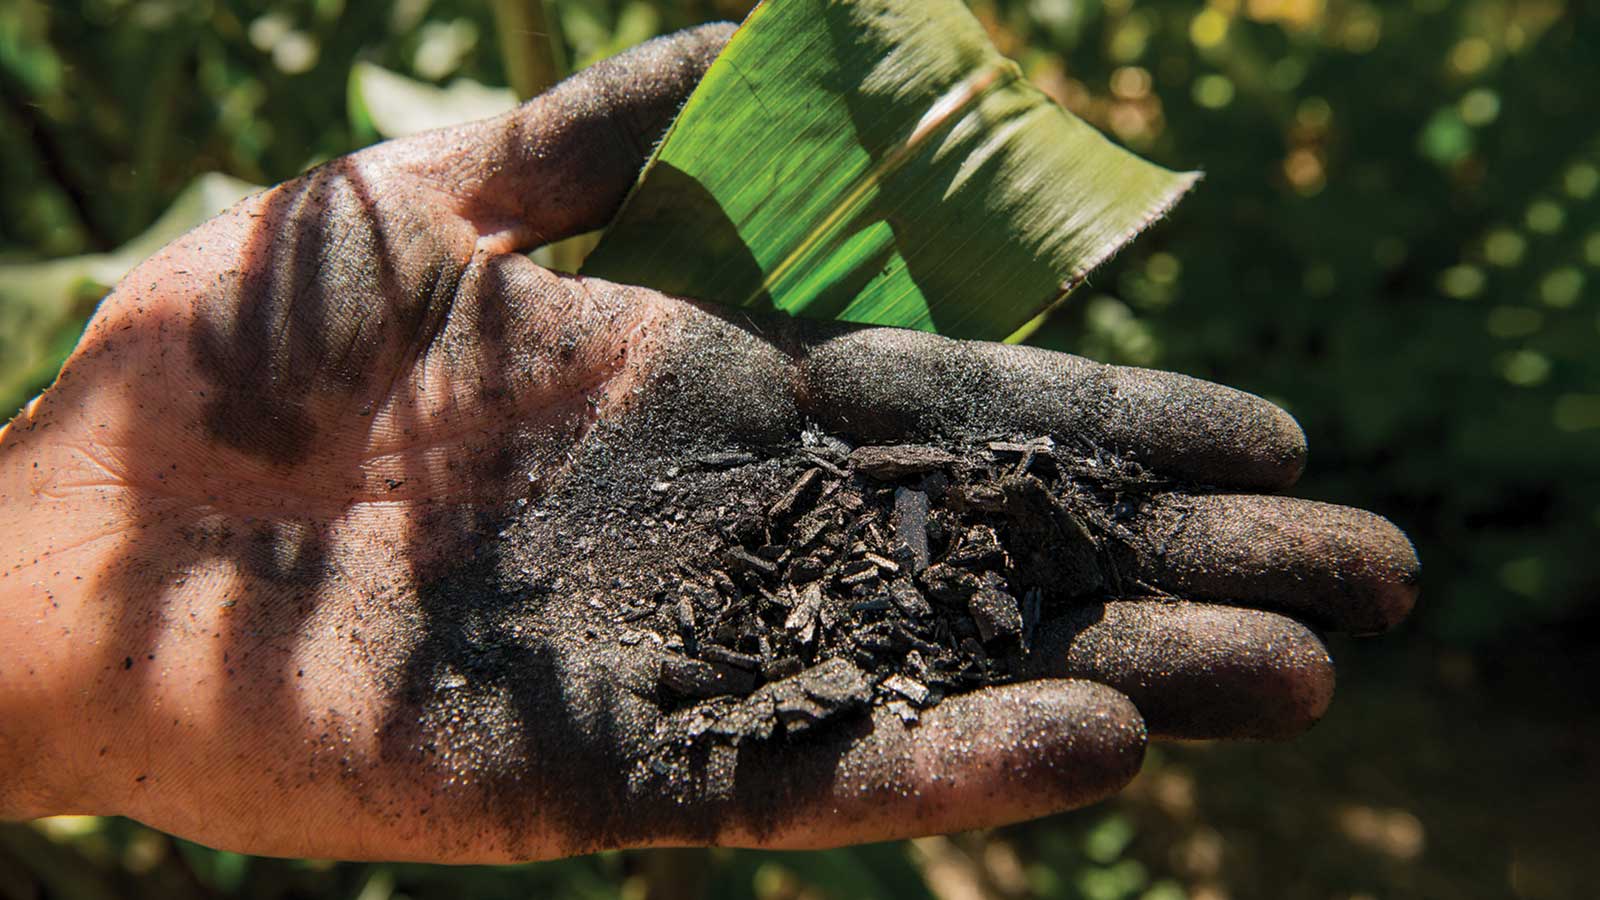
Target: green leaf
(879, 161)
(392, 105)
(43, 305)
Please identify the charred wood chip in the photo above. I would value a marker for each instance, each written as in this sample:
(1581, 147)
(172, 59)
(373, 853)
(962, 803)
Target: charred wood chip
(877, 645)
(874, 537)
(781, 667)
(742, 529)
(887, 463)
(979, 548)
(909, 688)
(797, 712)
(778, 554)
(949, 585)
(910, 600)
(806, 568)
(857, 572)
(811, 526)
(911, 525)
(741, 558)
(1044, 445)
(834, 686)
(702, 595)
(994, 611)
(1074, 527)
(829, 465)
(1028, 495)
(733, 658)
(729, 629)
(916, 642)
(821, 692)
(801, 622)
(1032, 609)
(699, 679)
(884, 564)
(823, 444)
(983, 496)
(799, 494)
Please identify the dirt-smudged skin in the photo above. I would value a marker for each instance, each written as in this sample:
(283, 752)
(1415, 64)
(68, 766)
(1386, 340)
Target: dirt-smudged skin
(662, 530)
(549, 645)
(348, 531)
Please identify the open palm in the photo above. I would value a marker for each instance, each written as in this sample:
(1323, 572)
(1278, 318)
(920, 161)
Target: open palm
(326, 533)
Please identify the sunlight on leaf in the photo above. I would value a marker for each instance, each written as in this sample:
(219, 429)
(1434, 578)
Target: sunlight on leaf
(393, 105)
(879, 161)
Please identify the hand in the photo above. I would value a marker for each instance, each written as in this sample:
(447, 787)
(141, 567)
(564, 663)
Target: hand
(330, 537)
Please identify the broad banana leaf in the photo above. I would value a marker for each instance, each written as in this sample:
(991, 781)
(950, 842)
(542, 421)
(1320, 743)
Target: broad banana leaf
(391, 105)
(879, 161)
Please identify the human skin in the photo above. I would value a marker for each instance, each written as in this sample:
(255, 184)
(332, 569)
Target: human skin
(292, 446)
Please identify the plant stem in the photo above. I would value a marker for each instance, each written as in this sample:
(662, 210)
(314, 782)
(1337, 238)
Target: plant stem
(535, 59)
(530, 46)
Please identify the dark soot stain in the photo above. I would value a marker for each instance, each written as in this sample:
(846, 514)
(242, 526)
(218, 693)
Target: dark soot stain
(662, 633)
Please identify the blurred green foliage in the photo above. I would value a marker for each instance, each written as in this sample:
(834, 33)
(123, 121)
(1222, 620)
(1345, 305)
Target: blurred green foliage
(1398, 239)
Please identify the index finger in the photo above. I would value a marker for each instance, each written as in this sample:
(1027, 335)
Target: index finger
(891, 384)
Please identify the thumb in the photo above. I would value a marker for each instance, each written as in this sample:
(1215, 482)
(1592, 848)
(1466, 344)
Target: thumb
(561, 163)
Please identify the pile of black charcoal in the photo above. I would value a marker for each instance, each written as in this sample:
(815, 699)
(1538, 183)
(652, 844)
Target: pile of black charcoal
(886, 575)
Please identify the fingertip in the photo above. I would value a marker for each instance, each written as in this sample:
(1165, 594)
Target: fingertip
(1196, 670)
(1394, 572)
(1274, 680)
(1041, 746)
(662, 71)
(1013, 752)
(709, 39)
(1334, 566)
(1207, 432)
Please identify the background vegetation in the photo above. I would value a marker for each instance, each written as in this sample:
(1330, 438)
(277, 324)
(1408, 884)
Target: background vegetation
(1398, 239)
